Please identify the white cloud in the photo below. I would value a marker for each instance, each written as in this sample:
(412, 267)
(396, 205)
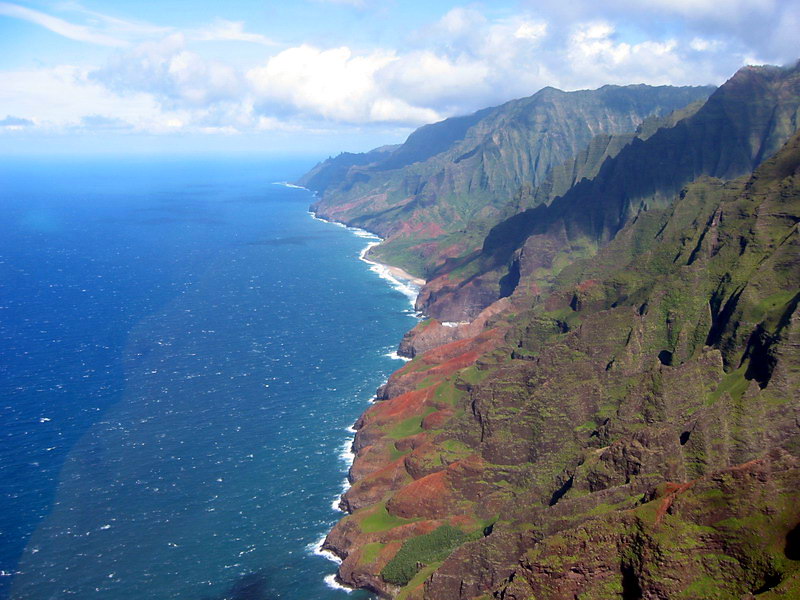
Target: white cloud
(335, 84)
(59, 97)
(228, 31)
(172, 74)
(165, 80)
(596, 58)
(767, 28)
(107, 30)
(353, 3)
(425, 78)
(15, 123)
(699, 44)
(61, 27)
(121, 28)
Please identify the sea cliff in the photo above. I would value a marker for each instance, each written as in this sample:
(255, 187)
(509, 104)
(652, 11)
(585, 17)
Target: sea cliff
(602, 400)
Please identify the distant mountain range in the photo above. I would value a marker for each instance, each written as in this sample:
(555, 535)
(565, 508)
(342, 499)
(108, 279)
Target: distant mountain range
(604, 397)
(436, 195)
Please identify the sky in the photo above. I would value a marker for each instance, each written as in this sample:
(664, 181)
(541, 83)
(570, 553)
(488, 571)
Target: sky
(306, 77)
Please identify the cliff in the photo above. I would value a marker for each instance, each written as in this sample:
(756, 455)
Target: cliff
(436, 195)
(743, 122)
(619, 416)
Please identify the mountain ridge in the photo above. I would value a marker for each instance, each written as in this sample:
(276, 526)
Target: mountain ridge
(455, 176)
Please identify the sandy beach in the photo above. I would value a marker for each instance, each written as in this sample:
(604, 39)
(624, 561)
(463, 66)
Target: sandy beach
(399, 273)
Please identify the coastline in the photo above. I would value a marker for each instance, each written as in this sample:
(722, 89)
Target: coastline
(408, 285)
(401, 280)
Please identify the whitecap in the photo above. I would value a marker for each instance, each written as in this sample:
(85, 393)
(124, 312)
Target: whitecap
(290, 185)
(332, 583)
(346, 452)
(316, 548)
(318, 218)
(336, 501)
(407, 288)
(454, 323)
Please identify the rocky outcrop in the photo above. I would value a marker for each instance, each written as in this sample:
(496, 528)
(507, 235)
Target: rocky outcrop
(430, 334)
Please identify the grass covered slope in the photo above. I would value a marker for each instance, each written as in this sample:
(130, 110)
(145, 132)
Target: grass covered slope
(437, 194)
(632, 431)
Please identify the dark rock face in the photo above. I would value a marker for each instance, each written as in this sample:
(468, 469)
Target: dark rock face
(626, 422)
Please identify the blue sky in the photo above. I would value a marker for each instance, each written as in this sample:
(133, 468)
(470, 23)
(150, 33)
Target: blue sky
(319, 76)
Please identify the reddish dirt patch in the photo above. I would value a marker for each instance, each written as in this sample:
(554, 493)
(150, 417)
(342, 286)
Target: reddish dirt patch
(398, 408)
(437, 419)
(412, 442)
(671, 492)
(373, 487)
(348, 206)
(387, 553)
(421, 229)
(371, 459)
(429, 496)
(465, 522)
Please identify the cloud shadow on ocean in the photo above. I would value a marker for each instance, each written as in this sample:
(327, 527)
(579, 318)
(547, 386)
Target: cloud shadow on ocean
(291, 240)
(253, 586)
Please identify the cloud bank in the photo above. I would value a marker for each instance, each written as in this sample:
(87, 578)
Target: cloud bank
(160, 79)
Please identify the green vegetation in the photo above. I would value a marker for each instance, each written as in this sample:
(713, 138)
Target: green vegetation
(410, 426)
(421, 551)
(370, 552)
(381, 520)
(418, 580)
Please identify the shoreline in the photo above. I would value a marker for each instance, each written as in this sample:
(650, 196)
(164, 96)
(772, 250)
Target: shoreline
(408, 285)
(400, 279)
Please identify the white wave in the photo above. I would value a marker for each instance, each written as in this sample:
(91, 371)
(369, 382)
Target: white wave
(346, 452)
(316, 548)
(318, 218)
(408, 289)
(335, 503)
(330, 580)
(394, 355)
(290, 185)
(363, 233)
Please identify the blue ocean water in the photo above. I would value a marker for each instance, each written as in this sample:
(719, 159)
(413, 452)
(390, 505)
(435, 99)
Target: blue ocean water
(182, 351)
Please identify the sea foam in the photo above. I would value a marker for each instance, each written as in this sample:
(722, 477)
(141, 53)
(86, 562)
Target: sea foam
(407, 288)
(316, 548)
(330, 580)
(290, 185)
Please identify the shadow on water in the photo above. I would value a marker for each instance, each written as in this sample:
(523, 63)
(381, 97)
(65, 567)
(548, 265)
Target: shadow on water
(253, 586)
(172, 220)
(297, 240)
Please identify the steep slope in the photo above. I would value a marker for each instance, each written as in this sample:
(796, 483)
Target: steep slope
(436, 195)
(744, 121)
(334, 170)
(631, 431)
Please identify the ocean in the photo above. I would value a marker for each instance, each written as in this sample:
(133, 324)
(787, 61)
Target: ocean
(184, 348)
